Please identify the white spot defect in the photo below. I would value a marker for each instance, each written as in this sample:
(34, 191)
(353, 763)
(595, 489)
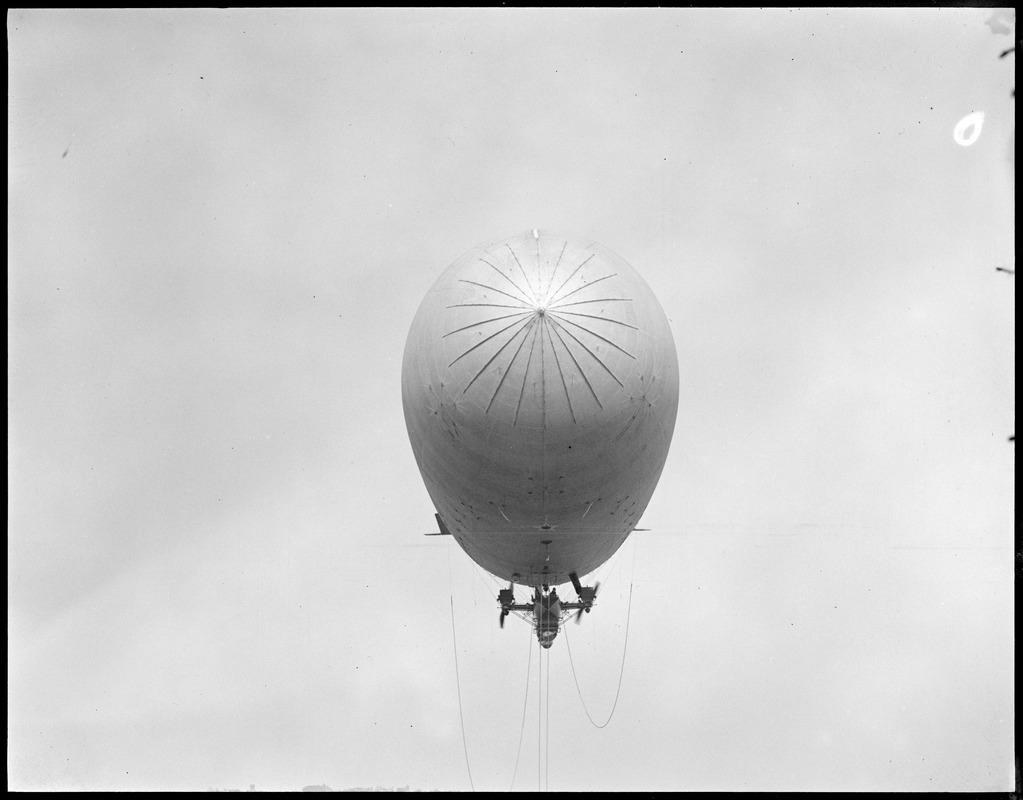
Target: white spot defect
(536, 233)
(967, 130)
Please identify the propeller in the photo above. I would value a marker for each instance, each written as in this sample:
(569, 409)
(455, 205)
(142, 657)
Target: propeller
(506, 597)
(586, 608)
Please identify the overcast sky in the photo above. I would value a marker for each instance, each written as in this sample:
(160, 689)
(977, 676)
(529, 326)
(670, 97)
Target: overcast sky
(221, 224)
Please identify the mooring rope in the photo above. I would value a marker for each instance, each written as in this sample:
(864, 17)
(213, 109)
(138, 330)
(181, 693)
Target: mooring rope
(522, 728)
(458, 684)
(625, 650)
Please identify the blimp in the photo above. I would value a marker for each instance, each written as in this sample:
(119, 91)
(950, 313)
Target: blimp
(540, 389)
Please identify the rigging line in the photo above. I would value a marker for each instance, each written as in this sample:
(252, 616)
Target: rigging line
(625, 650)
(522, 729)
(486, 575)
(602, 574)
(451, 577)
(458, 684)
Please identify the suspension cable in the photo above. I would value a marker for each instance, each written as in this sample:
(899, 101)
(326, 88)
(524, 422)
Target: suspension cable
(458, 684)
(522, 729)
(625, 650)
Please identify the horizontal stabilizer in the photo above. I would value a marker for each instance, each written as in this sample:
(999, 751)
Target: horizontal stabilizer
(443, 528)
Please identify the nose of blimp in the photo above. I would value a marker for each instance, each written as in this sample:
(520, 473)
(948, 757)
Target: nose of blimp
(539, 332)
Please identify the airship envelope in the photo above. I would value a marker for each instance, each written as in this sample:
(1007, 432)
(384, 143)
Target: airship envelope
(540, 387)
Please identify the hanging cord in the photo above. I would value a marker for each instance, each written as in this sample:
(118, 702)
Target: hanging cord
(522, 729)
(458, 684)
(458, 680)
(625, 650)
(461, 720)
